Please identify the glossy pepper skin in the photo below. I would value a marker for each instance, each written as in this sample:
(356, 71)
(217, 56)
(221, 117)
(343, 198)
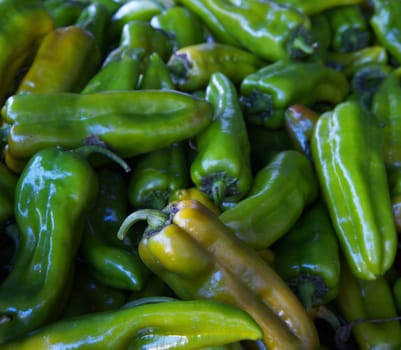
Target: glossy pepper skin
(311, 7)
(8, 182)
(191, 67)
(221, 167)
(279, 193)
(365, 300)
(187, 246)
(307, 258)
(149, 325)
(23, 25)
(285, 35)
(66, 58)
(268, 92)
(153, 118)
(53, 194)
(112, 263)
(386, 26)
(355, 187)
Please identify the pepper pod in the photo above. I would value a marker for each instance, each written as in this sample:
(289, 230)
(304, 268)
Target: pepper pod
(280, 192)
(221, 165)
(355, 187)
(149, 323)
(267, 93)
(191, 249)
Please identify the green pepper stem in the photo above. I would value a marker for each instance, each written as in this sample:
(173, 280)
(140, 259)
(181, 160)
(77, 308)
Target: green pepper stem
(305, 291)
(218, 191)
(155, 219)
(87, 150)
(300, 44)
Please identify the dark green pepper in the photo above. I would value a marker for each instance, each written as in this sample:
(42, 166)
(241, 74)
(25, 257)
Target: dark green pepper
(221, 166)
(394, 179)
(321, 36)
(279, 193)
(152, 325)
(64, 12)
(8, 182)
(267, 93)
(355, 187)
(307, 257)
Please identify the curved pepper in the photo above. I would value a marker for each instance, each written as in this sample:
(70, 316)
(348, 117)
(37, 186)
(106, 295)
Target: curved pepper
(265, 28)
(279, 193)
(195, 194)
(66, 59)
(130, 122)
(221, 166)
(307, 258)
(355, 187)
(8, 182)
(191, 67)
(167, 325)
(267, 93)
(23, 24)
(187, 246)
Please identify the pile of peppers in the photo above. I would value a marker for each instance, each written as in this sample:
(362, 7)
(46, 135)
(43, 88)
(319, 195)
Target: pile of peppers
(200, 174)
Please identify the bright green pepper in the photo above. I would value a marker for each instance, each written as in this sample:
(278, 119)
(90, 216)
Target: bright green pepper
(66, 59)
(156, 74)
(386, 25)
(355, 187)
(265, 28)
(23, 25)
(311, 7)
(191, 67)
(187, 246)
(130, 122)
(183, 24)
(221, 167)
(157, 325)
(8, 182)
(307, 258)
(267, 93)
(279, 193)
(64, 12)
(370, 304)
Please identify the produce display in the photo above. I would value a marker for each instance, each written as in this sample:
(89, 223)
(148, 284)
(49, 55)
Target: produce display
(200, 174)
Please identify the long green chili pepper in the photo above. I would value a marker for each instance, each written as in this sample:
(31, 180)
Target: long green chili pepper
(221, 166)
(355, 187)
(156, 74)
(169, 324)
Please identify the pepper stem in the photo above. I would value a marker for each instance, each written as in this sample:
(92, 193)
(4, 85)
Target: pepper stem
(87, 150)
(218, 191)
(155, 219)
(305, 291)
(300, 44)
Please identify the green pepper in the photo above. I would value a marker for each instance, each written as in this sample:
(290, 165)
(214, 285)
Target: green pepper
(355, 187)
(23, 25)
(53, 194)
(152, 118)
(190, 248)
(156, 175)
(66, 59)
(111, 262)
(385, 106)
(349, 27)
(285, 35)
(156, 74)
(386, 26)
(185, 26)
(267, 93)
(8, 182)
(191, 67)
(321, 35)
(368, 307)
(307, 258)
(64, 12)
(311, 7)
(279, 193)
(221, 167)
(162, 324)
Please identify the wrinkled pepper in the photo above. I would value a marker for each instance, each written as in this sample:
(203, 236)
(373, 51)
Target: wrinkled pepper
(307, 258)
(23, 25)
(221, 167)
(170, 324)
(190, 248)
(191, 67)
(8, 182)
(285, 35)
(279, 193)
(111, 262)
(66, 58)
(369, 308)
(355, 187)
(129, 122)
(52, 196)
(267, 93)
